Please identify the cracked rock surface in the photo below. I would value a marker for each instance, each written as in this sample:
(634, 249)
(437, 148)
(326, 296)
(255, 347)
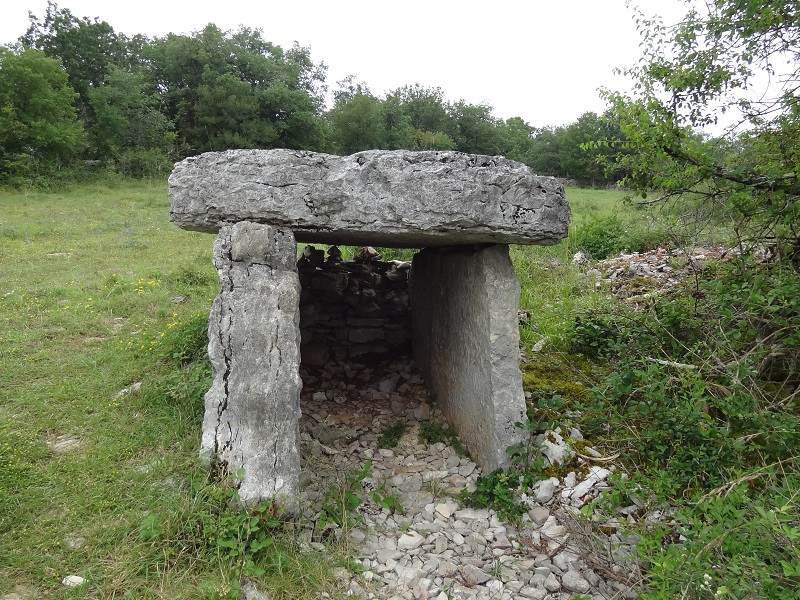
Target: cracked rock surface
(254, 349)
(382, 198)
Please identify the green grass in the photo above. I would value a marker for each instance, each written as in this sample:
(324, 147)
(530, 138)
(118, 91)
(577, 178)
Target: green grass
(587, 203)
(100, 291)
(552, 288)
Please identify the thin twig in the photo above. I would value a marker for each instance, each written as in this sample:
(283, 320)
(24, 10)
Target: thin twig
(672, 363)
(600, 459)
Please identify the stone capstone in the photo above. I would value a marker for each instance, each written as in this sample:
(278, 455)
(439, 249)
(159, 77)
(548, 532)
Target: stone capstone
(252, 411)
(383, 198)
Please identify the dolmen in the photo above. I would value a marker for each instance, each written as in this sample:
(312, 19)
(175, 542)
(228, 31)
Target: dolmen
(456, 306)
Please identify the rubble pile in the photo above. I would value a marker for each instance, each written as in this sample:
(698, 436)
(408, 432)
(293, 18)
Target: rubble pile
(433, 548)
(635, 277)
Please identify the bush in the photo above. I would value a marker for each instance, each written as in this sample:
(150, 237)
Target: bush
(739, 542)
(143, 162)
(704, 378)
(600, 237)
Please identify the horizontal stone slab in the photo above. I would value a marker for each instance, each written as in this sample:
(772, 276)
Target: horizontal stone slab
(380, 198)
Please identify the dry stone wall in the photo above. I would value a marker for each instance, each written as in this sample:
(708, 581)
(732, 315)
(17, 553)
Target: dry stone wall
(352, 308)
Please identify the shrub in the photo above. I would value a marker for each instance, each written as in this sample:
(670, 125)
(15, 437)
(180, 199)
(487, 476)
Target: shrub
(600, 237)
(605, 236)
(703, 378)
(739, 542)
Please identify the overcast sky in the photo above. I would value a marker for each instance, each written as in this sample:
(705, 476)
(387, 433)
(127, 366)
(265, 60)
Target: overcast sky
(542, 60)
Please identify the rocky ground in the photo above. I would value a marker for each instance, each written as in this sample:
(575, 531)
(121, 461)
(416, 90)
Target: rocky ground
(434, 548)
(635, 277)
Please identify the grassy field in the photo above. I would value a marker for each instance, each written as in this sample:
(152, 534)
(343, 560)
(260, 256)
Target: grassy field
(100, 292)
(103, 309)
(92, 280)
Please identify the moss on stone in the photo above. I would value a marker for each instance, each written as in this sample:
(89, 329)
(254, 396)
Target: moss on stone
(568, 375)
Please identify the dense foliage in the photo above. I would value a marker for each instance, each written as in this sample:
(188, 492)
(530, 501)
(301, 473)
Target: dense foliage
(732, 64)
(38, 122)
(79, 95)
(704, 381)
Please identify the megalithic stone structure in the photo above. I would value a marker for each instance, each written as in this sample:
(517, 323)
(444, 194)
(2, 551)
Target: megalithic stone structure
(462, 209)
(252, 411)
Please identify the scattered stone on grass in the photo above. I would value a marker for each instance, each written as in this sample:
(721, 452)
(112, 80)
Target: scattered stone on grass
(72, 581)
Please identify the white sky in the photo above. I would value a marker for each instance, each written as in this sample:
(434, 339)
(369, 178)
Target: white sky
(542, 60)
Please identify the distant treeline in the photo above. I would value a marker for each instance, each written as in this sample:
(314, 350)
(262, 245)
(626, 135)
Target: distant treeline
(77, 96)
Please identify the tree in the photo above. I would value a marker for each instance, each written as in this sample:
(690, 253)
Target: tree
(396, 125)
(545, 152)
(226, 90)
(128, 130)
(708, 70)
(86, 48)
(474, 129)
(357, 122)
(39, 129)
(577, 162)
(585, 161)
(423, 106)
(517, 137)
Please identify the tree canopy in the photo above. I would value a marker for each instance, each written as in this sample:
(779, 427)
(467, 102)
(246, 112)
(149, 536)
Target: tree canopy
(136, 105)
(38, 121)
(733, 65)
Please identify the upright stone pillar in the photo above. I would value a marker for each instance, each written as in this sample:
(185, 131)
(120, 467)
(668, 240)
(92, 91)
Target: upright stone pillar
(252, 411)
(464, 303)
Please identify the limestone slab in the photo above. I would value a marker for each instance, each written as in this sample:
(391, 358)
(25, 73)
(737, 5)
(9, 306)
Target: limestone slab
(383, 198)
(252, 411)
(466, 343)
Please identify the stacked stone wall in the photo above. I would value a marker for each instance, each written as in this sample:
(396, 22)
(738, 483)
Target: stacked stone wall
(349, 309)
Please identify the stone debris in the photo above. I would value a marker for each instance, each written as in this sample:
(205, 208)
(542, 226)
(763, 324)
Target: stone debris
(129, 390)
(72, 581)
(64, 443)
(435, 548)
(251, 592)
(635, 277)
(74, 541)
(554, 448)
(367, 254)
